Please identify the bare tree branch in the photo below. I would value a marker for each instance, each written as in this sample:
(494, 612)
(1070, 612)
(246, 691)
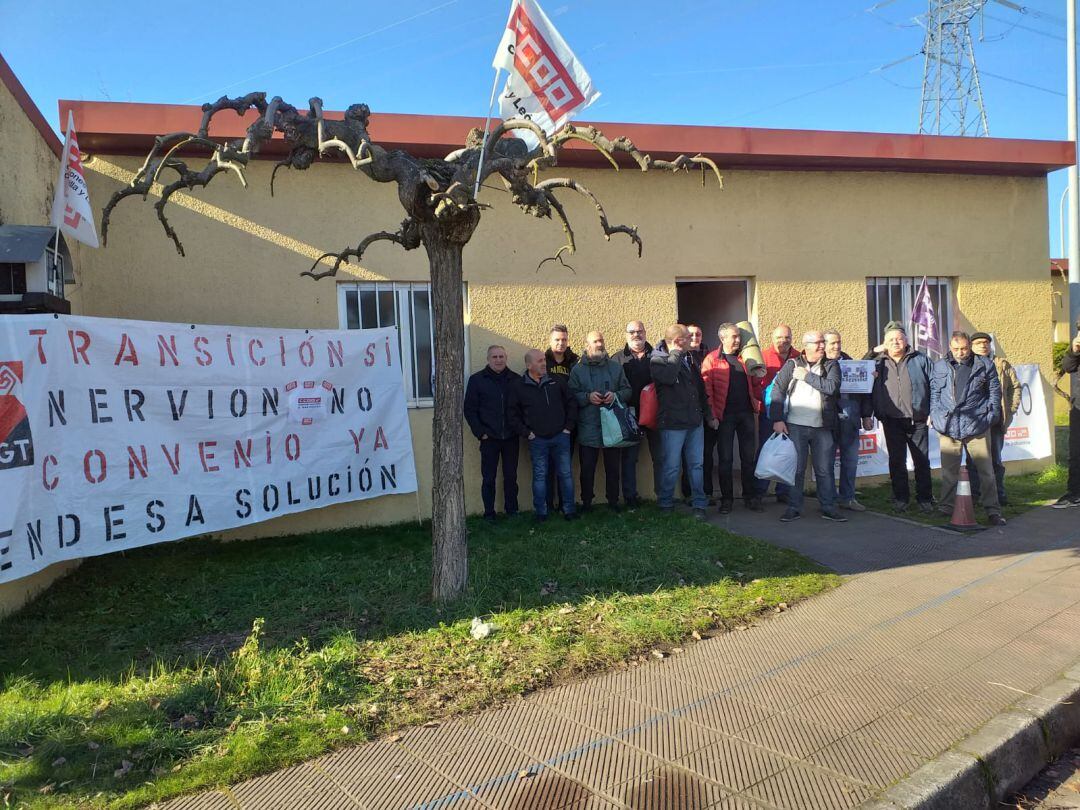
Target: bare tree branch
(609, 230)
(408, 236)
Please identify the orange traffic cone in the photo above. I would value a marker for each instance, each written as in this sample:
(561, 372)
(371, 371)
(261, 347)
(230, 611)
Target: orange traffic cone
(963, 513)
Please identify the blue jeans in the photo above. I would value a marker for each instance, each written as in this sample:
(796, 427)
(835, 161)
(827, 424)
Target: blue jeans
(818, 443)
(847, 441)
(678, 447)
(553, 452)
(764, 432)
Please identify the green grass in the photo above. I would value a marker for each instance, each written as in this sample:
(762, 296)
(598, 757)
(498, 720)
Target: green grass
(1025, 491)
(182, 666)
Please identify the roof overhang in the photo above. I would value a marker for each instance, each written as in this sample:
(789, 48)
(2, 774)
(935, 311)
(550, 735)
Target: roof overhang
(130, 129)
(29, 108)
(21, 244)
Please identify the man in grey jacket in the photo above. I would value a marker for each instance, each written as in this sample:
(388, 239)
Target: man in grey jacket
(803, 406)
(1070, 364)
(901, 400)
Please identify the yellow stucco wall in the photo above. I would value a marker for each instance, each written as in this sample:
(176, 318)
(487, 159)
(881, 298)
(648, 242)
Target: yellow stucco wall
(806, 240)
(28, 167)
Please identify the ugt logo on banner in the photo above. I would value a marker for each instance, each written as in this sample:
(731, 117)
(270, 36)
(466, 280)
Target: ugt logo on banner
(16, 443)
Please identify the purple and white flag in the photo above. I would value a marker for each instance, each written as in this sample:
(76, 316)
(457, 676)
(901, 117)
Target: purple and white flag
(925, 322)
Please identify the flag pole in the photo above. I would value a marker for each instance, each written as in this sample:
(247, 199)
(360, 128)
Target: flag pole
(483, 143)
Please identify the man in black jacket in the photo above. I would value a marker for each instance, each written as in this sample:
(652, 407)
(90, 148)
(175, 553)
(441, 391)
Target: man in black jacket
(634, 359)
(485, 412)
(1070, 364)
(684, 412)
(542, 410)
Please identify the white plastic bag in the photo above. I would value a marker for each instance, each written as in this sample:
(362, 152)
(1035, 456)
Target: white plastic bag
(778, 460)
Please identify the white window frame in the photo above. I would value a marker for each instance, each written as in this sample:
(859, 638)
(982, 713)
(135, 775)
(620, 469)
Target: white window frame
(944, 304)
(403, 295)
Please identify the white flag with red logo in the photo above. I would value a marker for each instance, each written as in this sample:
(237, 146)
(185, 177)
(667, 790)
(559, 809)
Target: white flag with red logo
(71, 211)
(547, 83)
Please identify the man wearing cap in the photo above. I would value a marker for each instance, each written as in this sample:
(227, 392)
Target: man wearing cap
(901, 401)
(965, 400)
(981, 345)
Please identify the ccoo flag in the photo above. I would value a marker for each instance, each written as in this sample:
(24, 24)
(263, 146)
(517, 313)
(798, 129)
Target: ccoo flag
(71, 211)
(925, 321)
(547, 83)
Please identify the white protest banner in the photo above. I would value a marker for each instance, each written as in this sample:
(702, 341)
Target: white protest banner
(874, 456)
(547, 84)
(857, 376)
(71, 211)
(1028, 436)
(118, 434)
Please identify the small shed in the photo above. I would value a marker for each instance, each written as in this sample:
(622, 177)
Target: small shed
(34, 266)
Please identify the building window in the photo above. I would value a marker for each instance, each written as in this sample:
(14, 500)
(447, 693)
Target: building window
(12, 278)
(407, 307)
(892, 299)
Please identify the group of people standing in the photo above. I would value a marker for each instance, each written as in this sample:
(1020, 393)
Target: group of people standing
(708, 400)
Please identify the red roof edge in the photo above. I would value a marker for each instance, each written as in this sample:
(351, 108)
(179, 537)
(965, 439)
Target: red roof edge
(14, 86)
(126, 128)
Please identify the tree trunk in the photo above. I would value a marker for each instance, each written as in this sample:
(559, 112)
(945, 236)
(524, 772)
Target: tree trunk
(450, 550)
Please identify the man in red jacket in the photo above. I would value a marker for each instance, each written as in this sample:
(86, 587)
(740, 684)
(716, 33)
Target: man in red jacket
(775, 355)
(733, 397)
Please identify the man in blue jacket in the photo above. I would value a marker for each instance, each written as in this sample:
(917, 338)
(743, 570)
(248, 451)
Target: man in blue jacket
(485, 412)
(965, 401)
(1070, 364)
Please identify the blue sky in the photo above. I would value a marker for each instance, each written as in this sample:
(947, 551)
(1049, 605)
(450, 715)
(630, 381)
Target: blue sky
(764, 63)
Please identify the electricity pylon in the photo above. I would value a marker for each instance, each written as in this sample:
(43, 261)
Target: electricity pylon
(952, 100)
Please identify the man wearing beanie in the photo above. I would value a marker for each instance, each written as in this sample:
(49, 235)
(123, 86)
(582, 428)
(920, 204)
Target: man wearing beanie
(982, 345)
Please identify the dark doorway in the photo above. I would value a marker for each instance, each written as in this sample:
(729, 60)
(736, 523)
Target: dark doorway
(711, 303)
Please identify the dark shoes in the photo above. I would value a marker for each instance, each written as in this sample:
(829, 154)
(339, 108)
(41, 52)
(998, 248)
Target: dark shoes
(489, 518)
(633, 503)
(615, 508)
(755, 505)
(997, 520)
(789, 516)
(927, 507)
(540, 518)
(725, 507)
(899, 506)
(571, 515)
(1067, 500)
(700, 514)
(667, 510)
(834, 516)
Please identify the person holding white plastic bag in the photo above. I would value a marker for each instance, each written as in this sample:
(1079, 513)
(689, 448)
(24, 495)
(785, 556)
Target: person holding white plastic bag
(804, 405)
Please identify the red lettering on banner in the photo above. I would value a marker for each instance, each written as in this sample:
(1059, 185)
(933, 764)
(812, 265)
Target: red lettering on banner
(242, 453)
(541, 69)
(40, 333)
(369, 355)
(337, 353)
(204, 358)
(168, 347)
(380, 436)
(292, 447)
(101, 466)
(74, 159)
(137, 462)
(867, 444)
(206, 455)
(356, 439)
(80, 350)
(1018, 433)
(129, 347)
(45, 481)
(72, 218)
(251, 351)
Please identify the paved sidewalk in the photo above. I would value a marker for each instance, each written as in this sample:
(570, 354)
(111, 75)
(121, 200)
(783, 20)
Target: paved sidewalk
(818, 707)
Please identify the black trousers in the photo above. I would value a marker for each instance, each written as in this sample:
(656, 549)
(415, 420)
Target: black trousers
(491, 451)
(707, 466)
(744, 426)
(903, 436)
(590, 456)
(1074, 451)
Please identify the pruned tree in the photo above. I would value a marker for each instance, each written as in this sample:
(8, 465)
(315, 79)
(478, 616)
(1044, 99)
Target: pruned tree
(441, 213)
